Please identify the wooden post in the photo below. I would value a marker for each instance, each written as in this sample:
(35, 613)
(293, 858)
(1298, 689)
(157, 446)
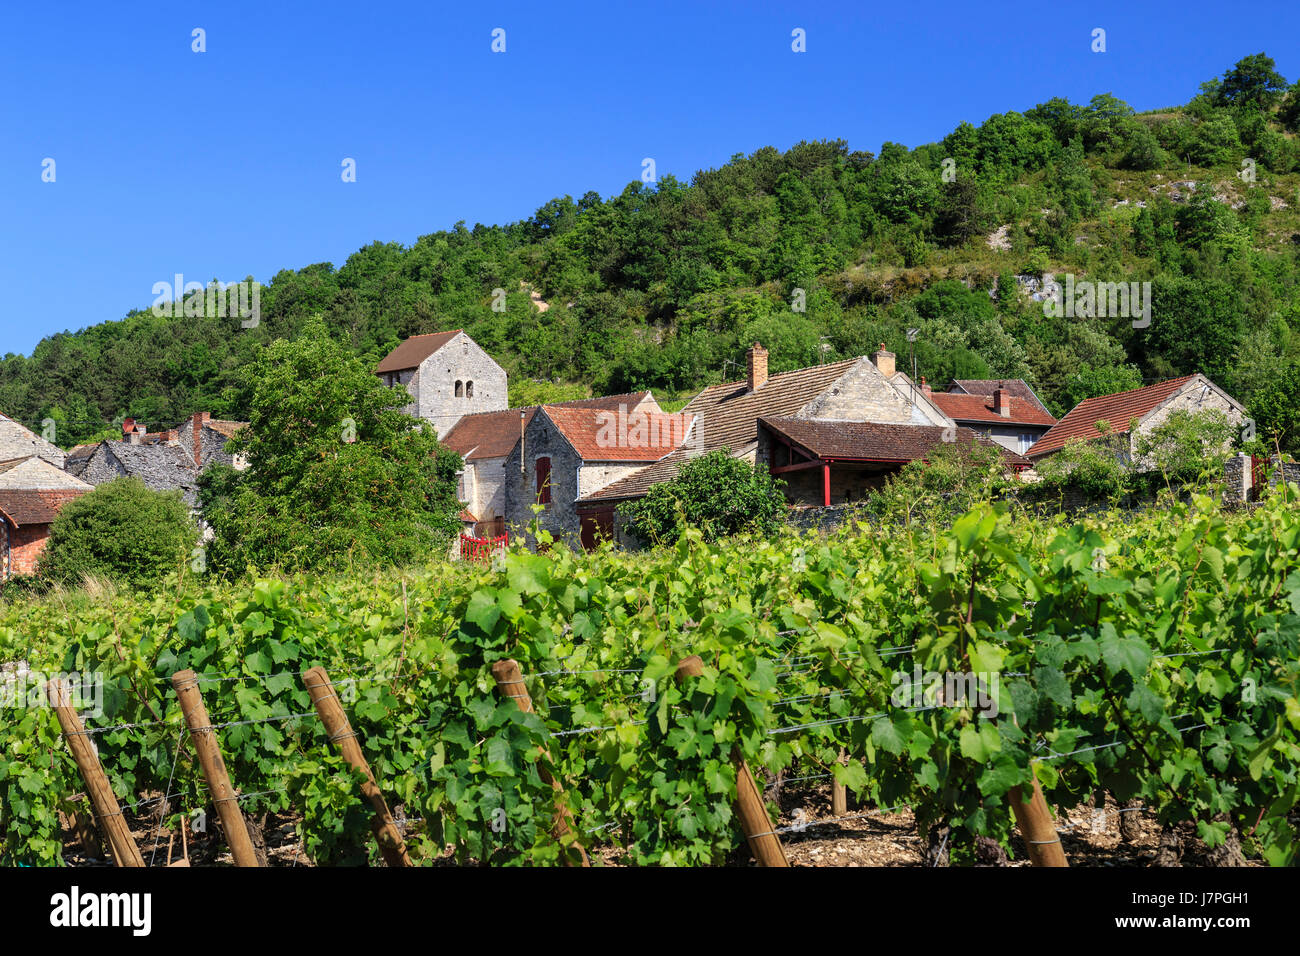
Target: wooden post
(186, 683)
(1037, 828)
(330, 708)
(839, 793)
(763, 843)
(510, 684)
(125, 852)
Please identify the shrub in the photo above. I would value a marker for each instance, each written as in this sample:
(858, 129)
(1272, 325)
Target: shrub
(716, 493)
(120, 530)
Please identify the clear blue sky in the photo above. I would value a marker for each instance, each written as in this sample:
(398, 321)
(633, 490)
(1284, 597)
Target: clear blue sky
(226, 163)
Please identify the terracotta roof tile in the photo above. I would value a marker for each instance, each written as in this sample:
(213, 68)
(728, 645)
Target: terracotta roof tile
(602, 434)
(877, 441)
(414, 350)
(1117, 409)
(495, 434)
(728, 414)
(979, 408)
(28, 507)
(1016, 387)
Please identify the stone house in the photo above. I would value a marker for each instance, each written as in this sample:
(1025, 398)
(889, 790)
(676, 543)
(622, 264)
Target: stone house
(485, 439)
(164, 466)
(32, 491)
(17, 441)
(1136, 412)
(447, 375)
(570, 452)
(204, 438)
(756, 420)
(1008, 412)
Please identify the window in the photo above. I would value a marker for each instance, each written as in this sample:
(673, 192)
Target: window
(460, 388)
(543, 469)
(1026, 441)
(469, 389)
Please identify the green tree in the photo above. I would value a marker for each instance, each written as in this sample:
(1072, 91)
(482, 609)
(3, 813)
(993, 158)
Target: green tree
(1253, 81)
(120, 530)
(337, 473)
(716, 493)
(1090, 382)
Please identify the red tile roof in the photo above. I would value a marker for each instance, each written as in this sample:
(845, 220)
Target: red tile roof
(1117, 409)
(601, 434)
(979, 408)
(877, 441)
(495, 434)
(1016, 387)
(30, 506)
(414, 351)
(468, 516)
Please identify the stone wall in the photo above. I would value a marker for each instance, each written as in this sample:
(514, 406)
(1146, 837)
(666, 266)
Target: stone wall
(542, 440)
(433, 388)
(863, 394)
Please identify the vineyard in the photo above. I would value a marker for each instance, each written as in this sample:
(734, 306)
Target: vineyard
(969, 674)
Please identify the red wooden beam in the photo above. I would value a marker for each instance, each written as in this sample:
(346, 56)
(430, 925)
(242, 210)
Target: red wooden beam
(826, 485)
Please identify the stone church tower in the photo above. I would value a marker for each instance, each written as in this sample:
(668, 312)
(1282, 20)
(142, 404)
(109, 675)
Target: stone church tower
(448, 376)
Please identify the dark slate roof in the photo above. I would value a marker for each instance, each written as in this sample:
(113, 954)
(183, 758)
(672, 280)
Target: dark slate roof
(160, 467)
(1118, 409)
(414, 351)
(32, 506)
(1016, 387)
(495, 434)
(876, 441)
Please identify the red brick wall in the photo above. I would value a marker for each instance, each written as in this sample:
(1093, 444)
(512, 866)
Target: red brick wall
(25, 546)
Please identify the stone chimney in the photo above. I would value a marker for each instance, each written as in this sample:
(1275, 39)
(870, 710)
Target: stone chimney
(756, 367)
(137, 435)
(1001, 403)
(197, 423)
(884, 361)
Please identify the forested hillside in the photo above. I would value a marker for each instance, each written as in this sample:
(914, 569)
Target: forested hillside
(663, 285)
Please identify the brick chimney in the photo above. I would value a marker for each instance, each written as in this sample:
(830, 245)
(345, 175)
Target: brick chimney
(884, 361)
(756, 366)
(167, 436)
(197, 423)
(925, 388)
(1001, 403)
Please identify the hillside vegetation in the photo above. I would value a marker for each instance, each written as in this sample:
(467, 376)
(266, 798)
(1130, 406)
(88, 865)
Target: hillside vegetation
(663, 285)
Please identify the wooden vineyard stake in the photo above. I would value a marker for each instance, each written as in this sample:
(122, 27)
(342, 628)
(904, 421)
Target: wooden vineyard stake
(510, 684)
(186, 683)
(339, 728)
(763, 843)
(839, 793)
(125, 852)
(1037, 828)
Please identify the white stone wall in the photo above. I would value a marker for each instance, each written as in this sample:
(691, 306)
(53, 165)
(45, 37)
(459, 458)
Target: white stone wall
(593, 477)
(1197, 396)
(863, 394)
(433, 385)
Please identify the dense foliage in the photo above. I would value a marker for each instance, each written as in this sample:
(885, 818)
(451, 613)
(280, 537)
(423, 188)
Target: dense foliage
(337, 472)
(715, 493)
(1156, 656)
(120, 530)
(665, 283)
